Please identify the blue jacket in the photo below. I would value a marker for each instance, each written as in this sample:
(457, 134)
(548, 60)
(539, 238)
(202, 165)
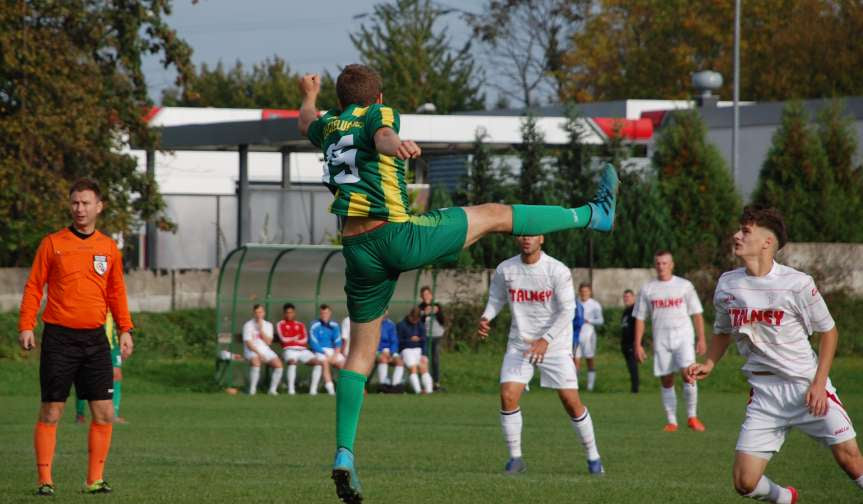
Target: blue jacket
(324, 335)
(406, 330)
(389, 337)
(577, 322)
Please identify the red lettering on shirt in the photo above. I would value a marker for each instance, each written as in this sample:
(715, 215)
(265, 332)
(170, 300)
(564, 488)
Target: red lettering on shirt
(744, 316)
(530, 296)
(666, 303)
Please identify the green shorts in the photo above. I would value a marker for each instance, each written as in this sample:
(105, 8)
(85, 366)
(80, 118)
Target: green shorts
(375, 259)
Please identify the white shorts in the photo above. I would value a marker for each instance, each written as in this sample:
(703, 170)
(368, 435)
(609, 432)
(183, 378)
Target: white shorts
(328, 356)
(586, 342)
(412, 356)
(262, 349)
(777, 404)
(301, 355)
(672, 354)
(556, 371)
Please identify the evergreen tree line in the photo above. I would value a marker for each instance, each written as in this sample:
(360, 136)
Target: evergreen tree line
(684, 200)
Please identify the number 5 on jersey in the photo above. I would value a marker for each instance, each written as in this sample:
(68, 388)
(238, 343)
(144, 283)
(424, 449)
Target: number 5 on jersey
(342, 153)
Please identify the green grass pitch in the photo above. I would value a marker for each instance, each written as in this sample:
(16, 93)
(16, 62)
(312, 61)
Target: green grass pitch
(446, 448)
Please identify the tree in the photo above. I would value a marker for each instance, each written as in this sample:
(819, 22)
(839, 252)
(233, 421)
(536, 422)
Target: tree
(699, 192)
(71, 93)
(648, 49)
(268, 84)
(839, 140)
(531, 153)
(486, 183)
(415, 58)
(524, 42)
(796, 178)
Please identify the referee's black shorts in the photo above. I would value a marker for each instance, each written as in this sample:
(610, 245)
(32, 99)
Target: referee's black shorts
(79, 356)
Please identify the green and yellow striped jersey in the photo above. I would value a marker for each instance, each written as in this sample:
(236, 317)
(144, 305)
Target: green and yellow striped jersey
(364, 182)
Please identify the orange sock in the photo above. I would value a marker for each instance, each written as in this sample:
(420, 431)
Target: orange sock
(44, 442)
(99, 444)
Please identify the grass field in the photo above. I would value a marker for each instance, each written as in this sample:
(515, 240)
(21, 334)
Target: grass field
(183, 446)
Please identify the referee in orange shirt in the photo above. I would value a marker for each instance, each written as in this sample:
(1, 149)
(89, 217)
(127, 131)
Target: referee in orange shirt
(84, 272)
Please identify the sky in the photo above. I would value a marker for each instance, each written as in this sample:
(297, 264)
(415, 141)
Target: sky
(312, 36)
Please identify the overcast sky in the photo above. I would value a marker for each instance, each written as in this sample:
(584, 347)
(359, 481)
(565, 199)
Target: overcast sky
(312, 36)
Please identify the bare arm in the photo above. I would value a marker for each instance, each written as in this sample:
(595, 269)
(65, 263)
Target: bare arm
(718, 344)
(388, 143)
(310, 87)
(640, 355)
(700, 341)
(816, 396)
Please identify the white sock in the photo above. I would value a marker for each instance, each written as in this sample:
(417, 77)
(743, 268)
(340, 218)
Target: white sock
(591, 379)
(769, 491)
(383, 369)
(331, 389)
(292, 378)
(690, 395)
(859, 481)
(583, 426)
(275, 379)
(316, 379)
(398, 375)
(428, 386)
(510, 423)
(254, 376)
(669, 402)
(415, 382)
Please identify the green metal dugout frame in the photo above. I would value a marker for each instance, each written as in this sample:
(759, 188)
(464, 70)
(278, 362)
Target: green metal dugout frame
(251, 274)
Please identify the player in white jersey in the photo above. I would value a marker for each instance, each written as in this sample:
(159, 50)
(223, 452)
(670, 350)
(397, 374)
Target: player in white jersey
(539, 291)
(771, 310)
(587, 336)
(671, 301)
(257, 337)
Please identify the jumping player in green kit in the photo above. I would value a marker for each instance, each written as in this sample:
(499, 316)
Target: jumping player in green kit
(364, 168)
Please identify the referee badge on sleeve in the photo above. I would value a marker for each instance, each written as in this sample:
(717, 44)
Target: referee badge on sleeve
(100, 264)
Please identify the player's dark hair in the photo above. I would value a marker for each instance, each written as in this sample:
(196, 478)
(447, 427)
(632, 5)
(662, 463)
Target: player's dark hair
(86, 184)
(662, 252)
(256, 306)
(288, 305)
(425, 288)
(766, 217)
(414, 314)
(358, 85)
(629, 291)
(325, 306)
(585, 284)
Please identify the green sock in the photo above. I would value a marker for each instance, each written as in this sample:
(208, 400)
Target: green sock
(79, 406)
(532, 220)
(118, 392)
(349, 402)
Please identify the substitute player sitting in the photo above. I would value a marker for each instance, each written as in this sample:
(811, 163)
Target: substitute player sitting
(326, 342)
(257, 338)
(295, 347)
(671, 301)
(365, 170)
(771, 310)
(539, 291)
(412, 343)
(388, 353)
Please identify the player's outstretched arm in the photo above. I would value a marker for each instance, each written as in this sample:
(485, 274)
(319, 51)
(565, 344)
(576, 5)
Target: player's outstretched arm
(816, 396)
(718, 344)
(310, 87)
(388, 143)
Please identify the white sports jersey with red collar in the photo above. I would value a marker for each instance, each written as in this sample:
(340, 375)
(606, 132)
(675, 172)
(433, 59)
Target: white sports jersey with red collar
(541, 298)
(771, 318)
(670, 305)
